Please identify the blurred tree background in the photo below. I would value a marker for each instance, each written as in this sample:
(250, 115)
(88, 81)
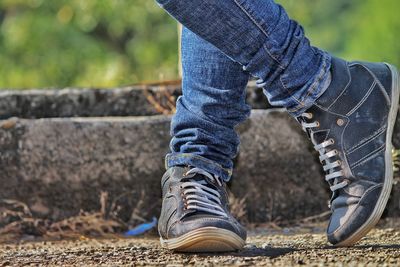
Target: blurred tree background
(106, 43)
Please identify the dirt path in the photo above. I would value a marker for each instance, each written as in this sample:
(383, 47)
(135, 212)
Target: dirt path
(282, 248)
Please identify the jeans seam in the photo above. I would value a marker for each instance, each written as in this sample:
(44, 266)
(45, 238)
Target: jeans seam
(276, 60)
(260, 28)
(313, 87)
(289, 94)
(197, 157)
(317, 82)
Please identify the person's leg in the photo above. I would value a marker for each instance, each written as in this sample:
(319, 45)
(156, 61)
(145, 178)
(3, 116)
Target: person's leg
(212, 104)
(202, 148)
(265, 41)
(348, 110)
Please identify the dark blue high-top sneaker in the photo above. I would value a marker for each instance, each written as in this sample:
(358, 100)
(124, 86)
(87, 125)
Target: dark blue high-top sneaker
(351, 126)
(195, 216)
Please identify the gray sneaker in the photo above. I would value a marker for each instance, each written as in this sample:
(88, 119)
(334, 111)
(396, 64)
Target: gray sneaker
(195, 216)
(351, 126)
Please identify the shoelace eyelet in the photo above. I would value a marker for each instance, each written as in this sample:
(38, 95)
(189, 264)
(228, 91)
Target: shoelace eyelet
(340, 122)
(334, 171)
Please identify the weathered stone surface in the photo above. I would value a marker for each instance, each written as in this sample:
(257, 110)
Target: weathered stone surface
(128, 101)
(277, 170)
(60, 165)
(64, 164)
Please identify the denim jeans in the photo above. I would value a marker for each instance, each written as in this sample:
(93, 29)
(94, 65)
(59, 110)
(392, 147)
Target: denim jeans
(225, 42)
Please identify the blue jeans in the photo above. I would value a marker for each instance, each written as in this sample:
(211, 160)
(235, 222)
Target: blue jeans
(225, 42)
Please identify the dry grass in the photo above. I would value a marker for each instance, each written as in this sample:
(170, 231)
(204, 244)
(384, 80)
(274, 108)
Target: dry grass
(238, 207)
(162, 100)
(18, 223)
(396, 165)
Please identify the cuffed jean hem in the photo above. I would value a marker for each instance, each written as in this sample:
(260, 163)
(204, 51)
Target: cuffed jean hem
(177, 159)
(317, 88)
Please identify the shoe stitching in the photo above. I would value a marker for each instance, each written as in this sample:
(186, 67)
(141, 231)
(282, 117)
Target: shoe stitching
(381, 87)
(344, 89)
(201, 220)
(366, 140)
(164, 182)
(171, 215)
(363, 99)
(370, 184)
(229, 220)
(342, 146)
(369, 156)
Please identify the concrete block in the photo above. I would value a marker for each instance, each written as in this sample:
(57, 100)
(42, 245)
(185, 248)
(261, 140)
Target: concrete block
(60, 165)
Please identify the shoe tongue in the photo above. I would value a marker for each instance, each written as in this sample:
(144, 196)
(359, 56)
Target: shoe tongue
(201, 179)
(319, 137)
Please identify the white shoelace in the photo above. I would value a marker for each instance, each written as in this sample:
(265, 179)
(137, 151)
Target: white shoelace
(329, 167)
(198, 196)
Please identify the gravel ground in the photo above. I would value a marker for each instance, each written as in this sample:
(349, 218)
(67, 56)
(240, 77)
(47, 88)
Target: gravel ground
(286, 247)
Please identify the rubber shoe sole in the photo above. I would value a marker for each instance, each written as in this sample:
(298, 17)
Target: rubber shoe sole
(206, 239)
(387, 186)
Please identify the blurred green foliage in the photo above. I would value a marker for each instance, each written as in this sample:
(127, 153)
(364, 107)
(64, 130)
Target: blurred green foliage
(104, 43)
(355, 30)
(85, 43)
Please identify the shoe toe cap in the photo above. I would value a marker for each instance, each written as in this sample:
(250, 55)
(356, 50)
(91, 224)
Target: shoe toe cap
(347, 220)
